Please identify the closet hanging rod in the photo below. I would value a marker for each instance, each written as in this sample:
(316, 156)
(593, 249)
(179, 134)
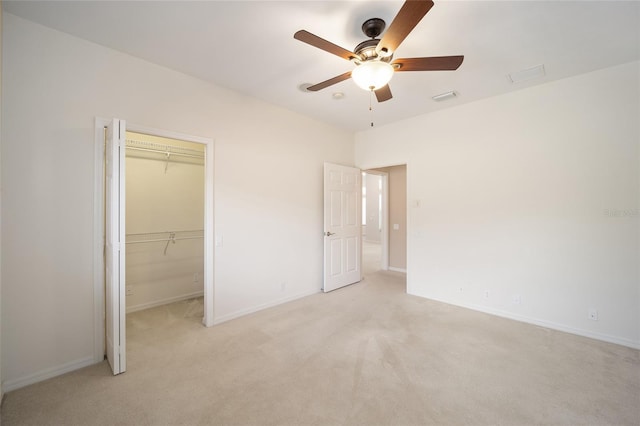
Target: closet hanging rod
(164, 236)
(158, 151)
(163, 149)
(164, 232)
(163, 240)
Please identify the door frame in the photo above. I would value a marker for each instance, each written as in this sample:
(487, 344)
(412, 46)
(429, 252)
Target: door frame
(385, 207)
(98, 226)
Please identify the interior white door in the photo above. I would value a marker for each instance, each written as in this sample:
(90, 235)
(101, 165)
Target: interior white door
(342, 226)
(115, 245)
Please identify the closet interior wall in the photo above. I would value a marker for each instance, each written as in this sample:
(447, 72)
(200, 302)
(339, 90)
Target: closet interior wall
(164, 220)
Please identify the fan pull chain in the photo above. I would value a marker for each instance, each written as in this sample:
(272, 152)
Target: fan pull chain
(371, 105)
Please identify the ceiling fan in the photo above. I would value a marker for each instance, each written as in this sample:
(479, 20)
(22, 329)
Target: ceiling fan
(374, 58)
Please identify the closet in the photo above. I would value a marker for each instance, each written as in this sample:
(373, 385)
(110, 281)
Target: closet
(165, 180)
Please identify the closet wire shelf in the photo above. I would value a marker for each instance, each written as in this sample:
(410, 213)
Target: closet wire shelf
(167, 150)
(168, 237)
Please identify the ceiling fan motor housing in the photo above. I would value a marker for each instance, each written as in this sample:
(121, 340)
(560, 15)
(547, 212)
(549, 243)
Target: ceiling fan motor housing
(367, 49)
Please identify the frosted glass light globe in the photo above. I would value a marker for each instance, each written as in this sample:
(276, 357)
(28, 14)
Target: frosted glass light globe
(372, 75)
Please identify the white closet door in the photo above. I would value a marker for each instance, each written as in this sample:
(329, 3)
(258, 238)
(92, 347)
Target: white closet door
(115, 246)
(343, 226)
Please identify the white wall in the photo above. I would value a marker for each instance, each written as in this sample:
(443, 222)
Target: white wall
(531, 194)
(268, 189)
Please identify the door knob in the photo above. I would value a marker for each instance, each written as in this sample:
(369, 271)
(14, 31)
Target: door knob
(328, 234)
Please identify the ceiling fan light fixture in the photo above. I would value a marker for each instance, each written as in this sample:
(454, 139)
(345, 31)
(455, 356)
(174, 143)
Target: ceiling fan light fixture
(372, 75)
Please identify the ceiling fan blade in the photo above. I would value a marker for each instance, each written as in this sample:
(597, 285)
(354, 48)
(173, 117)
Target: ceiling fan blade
(320, 43)
(329, 82)
(434, 63)
(383, 93)
(411, 12)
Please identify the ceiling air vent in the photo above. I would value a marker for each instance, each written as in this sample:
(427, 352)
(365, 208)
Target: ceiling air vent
(444, 96)
(528, 74)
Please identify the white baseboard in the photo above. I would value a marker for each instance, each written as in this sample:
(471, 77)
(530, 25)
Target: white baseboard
(9, 385)
(243, 312)
(13, 384)
(161, 302)
(543, 323)
(393, 268)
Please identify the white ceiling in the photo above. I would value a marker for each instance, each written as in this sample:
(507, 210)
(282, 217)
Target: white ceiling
(248, 46)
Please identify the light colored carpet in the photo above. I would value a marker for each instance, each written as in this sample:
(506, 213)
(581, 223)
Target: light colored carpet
(368, 354)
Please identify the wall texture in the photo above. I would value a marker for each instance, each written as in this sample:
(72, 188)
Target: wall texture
(526, 205)
(268, 189)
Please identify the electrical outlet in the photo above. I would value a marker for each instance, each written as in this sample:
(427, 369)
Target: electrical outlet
(517, 300)
(460, 290)
(486, 294)
(196, 278)
(593, 314)
(129, 291)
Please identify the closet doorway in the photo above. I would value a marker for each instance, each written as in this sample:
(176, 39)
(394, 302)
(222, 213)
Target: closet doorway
(154, 227)
(164, 220)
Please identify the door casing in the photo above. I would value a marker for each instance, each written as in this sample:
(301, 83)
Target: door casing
(385, 211)
(98, 225)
